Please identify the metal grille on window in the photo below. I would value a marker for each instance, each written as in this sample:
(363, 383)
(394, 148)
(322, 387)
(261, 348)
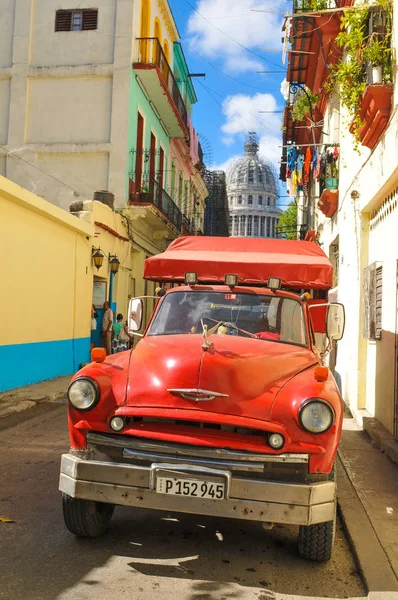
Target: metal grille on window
(372, 291)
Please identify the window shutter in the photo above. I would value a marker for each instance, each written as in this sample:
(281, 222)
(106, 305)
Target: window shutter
(63, 20)
(90, 19)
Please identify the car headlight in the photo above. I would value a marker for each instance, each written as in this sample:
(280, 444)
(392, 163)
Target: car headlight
(316, 416)
(83, 394)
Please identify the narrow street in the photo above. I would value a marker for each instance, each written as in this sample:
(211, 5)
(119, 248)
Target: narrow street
(143, 555)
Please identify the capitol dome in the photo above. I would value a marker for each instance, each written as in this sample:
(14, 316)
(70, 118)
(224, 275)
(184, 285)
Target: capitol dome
(252, 195)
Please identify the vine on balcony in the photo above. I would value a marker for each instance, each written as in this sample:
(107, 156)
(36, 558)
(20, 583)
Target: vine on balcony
(304, 104)
(364, 50)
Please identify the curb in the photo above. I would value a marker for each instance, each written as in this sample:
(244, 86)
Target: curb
(369, 555)
(381, 437)
(10, 404)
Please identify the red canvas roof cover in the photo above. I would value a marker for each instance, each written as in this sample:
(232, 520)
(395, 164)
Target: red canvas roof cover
(299, 264)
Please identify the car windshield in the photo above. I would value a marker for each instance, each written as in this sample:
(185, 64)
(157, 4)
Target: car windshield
(251, 315)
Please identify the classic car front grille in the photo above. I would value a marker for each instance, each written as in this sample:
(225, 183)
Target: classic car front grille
(126, 448)
(202, 425)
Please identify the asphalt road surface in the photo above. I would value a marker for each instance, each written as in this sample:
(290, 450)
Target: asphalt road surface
(144, 555)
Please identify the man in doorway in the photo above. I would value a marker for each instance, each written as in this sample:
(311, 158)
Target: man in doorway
(107, 327)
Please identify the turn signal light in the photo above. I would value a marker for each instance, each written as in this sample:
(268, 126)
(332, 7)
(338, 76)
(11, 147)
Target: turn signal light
(321, 373)
(98, 355)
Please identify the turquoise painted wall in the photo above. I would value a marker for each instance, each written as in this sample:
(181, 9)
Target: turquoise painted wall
(30, 363)
(139, 102)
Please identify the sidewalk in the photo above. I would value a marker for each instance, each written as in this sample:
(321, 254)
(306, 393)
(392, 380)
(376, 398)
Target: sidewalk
(20, 399)
(367, 491)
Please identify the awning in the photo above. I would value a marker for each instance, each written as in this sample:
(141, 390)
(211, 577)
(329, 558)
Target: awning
(299, 264)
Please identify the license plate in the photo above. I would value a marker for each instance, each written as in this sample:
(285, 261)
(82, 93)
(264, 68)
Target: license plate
(193, 488)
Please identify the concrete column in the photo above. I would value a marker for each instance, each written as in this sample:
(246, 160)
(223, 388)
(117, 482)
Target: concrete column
(118, 159)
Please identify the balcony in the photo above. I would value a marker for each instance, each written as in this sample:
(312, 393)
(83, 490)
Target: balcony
(163, 209)
(158, 80)
(313, 47)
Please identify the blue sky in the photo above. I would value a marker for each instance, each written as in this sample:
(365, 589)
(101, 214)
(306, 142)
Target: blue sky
(230, 42)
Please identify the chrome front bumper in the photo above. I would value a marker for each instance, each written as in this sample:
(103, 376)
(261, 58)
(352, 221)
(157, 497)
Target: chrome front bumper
(250, 499)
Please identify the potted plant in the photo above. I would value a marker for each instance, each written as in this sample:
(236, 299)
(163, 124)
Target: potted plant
(145, 195)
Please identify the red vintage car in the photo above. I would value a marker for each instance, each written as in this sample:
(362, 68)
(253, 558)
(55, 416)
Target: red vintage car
(225, 406)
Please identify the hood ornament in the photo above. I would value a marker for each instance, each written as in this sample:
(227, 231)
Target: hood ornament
(196, 394)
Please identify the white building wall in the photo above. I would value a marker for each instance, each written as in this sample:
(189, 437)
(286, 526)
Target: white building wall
(367, 178)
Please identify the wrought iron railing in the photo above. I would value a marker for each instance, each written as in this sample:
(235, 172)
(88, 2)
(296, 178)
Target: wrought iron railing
(156, 195)
(150, 52)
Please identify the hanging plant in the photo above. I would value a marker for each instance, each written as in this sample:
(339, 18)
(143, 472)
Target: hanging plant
(362, 51)
(304, 104)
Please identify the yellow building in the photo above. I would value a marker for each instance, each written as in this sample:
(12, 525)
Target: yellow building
(47, 262)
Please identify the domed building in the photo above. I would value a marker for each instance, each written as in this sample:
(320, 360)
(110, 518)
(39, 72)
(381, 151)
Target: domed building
(252, 195)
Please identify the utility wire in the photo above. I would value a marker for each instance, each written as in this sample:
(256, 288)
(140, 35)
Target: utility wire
(239, 106)
(231, 38)
(42, 171)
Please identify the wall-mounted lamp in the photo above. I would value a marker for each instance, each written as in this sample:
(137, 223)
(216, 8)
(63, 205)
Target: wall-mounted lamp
(114, 263)
(98, 257)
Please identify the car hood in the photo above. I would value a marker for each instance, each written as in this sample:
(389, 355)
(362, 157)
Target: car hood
(248, 372)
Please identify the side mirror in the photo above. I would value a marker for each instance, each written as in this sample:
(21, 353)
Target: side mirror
(335, 321)
(135, 314)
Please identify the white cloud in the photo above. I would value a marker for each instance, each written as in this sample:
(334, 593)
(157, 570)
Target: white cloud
(242, 115)
(229, 20)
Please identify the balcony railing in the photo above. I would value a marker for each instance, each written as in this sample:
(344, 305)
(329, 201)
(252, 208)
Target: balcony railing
(157, 196)
(150, 52)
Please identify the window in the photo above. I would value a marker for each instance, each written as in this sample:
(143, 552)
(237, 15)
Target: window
(230, 225)
(249, 225)
(262, 227)
(269, 201)
(239, 199)
(255, 227)
(242, 225)
(260, 200)
(268, 227)
(236, 225)
(250, 199)
(260, 175)
(231, 201)
(372, 285)
(251, 173)
(76, 20)
(267, 177)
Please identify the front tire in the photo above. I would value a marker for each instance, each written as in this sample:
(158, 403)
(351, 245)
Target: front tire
(86, 518)
(315, 542)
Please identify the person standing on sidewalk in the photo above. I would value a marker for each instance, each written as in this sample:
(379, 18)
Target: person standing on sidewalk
(107, 327)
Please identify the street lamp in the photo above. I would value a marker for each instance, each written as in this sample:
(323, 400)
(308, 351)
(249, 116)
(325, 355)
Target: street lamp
(114, 263)
(98, 257)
